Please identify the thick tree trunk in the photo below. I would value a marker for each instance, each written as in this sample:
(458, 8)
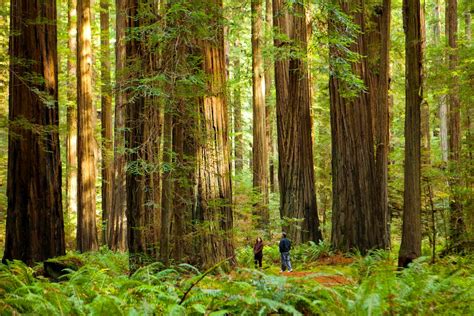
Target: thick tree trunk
(360, 134)
(237, 109)
(116, 222)
(410, 247)
(379, 85)
(107, 132)
(260, 143)
(35, 227)
(71, 138)
(86, 217)
(214, 190)
(296, 171)
(269, 106)
(457, 226)
(143, 138)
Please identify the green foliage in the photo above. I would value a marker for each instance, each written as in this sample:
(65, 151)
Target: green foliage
(103, 287)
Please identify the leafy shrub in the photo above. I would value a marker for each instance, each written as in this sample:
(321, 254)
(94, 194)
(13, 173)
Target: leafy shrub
(103, 287)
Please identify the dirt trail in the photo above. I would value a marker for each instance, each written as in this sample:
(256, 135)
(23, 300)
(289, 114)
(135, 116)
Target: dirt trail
(327, 280)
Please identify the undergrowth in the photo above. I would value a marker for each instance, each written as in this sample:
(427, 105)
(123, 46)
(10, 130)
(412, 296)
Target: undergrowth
(103, 287)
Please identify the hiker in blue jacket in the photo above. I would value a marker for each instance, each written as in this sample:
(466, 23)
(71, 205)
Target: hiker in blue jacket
(285, 247)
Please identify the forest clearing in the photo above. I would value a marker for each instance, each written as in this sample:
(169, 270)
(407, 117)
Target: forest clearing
(224, 157)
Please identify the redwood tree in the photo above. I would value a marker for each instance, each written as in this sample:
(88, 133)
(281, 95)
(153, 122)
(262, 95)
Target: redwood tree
(143, 135)
(35, 228)
(213, 214)
(86, 222)
(359, 128)
(410, 247)
(107, 127)
(293, 102)
(116, 220)
(260, 143)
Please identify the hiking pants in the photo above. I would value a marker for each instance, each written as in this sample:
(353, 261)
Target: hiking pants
(285, 261)
(257, 258)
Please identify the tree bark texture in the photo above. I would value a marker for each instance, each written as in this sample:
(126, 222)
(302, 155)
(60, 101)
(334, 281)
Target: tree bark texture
(260, 143)
(116, 224)
(71, 138)
(107, 125)
(35, 228)
(86, 207)
(295, 169)
(143, 138)
(360, 133)
(410, 247)
(214, 191)
(379, 86)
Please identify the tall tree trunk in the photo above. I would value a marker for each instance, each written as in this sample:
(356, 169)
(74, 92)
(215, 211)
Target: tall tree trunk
(260, 143)
(269, 106)
(143, 138)
(35, 227)
(107, 132)
(116, 223)
(214, 189)
(71, 138)
(359, 126)
(379, 85)
(443, 107)
(237, 107)
(454, 127)
(410, 247)
(296, 171)
(86, 206)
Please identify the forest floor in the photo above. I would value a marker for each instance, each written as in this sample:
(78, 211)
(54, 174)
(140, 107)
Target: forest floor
(322, 283)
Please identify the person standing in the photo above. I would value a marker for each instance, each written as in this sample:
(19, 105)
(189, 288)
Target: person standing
(285, 247)
(258, 252)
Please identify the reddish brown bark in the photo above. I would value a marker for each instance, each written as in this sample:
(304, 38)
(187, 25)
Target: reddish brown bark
(116, 239)
(107, 129)
(296, 171)
(143, 138)
(214, 191)
(86, 217)
(360, 131)
(35, 228)
(410, 247)
(260, 143)
(379, 84)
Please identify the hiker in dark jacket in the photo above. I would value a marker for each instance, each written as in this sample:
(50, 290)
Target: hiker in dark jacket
(258, 252)
(285, 247)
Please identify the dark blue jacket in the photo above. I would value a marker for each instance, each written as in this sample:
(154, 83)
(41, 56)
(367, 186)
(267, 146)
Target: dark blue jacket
(285, 245)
